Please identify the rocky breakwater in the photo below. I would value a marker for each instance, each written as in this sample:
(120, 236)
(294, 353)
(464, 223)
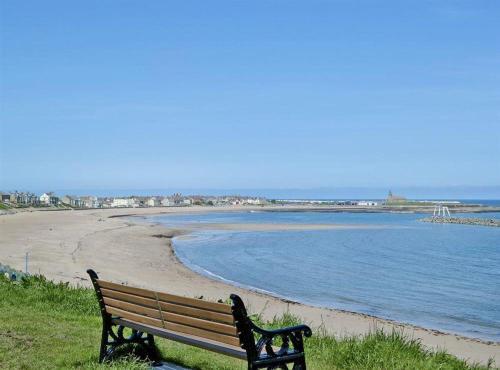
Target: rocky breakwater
(463, 221)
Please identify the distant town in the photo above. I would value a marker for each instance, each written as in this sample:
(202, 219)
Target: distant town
(16, 199)
(49, 199)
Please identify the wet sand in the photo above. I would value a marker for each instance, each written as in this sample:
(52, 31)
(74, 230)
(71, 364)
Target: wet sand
(63, 244)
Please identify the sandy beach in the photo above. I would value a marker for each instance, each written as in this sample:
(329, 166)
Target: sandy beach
(63, 244)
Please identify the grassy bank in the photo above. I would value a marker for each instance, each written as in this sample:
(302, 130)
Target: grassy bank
(47, 325)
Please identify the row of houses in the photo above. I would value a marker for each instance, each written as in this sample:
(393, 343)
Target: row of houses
(364, 203)
(122, 202)
(145, 202)
(27, 199)
(81, 202)
(21, 199)
(177, 200)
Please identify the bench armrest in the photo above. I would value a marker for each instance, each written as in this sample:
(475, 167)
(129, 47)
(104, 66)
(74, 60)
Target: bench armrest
(263, 352)
(283, 331)
(290, 335)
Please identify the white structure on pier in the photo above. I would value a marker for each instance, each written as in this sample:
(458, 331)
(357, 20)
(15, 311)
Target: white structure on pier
(441, 211)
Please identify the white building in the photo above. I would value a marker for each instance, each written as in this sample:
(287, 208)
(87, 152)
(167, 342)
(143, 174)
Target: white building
(123, 202)
(106, 203)
(153, 202)
(166, 202)
(49, 199)
(367, 203)
(90, 202)
(253, 201)
(72, 201)
(45, 199)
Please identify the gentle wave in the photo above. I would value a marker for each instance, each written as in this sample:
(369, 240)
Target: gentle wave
(212, 275)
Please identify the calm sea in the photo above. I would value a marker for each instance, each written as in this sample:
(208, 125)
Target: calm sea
(445, 277)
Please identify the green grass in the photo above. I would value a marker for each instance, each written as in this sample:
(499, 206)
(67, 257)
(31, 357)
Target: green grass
(46, 325)
(4, 206)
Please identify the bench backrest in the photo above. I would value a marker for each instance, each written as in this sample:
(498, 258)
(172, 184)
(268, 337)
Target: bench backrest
(191, 316)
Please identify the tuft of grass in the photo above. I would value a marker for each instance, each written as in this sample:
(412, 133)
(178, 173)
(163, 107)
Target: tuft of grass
(4, 206)
(37, 292)
(379, 350)
(47, 325)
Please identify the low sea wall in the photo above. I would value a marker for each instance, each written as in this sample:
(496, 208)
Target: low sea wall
(463, 221)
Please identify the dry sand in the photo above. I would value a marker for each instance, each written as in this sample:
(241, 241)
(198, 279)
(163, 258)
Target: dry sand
(63, 244)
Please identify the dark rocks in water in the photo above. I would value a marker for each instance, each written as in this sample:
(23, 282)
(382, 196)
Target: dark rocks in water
(463, 221)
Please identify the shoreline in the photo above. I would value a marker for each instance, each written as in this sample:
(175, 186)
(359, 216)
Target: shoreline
(63, 244)
(187, 233)
(396, 208)
(288, 300)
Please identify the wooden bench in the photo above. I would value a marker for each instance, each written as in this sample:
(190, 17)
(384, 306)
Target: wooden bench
(217, 327)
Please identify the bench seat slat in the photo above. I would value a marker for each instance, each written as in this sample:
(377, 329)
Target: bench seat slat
(168, 298)
(126, 306)
(197, 313)
(232, 340)
(126, 289)
(196, 303)
(134, 317)
(171, 317)
(170, 307)
(201, 324)
(215, 346)
(146, 302)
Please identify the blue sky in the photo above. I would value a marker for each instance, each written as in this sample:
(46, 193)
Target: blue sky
(246, 95)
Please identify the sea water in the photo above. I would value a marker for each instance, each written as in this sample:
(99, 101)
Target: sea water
(440, 276)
